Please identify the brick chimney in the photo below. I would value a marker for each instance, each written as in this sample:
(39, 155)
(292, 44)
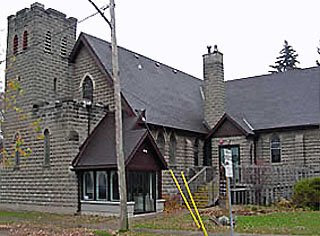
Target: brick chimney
(214, 86)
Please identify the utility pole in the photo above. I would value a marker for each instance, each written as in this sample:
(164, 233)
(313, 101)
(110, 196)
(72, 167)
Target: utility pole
(118, 118)
(118, 124)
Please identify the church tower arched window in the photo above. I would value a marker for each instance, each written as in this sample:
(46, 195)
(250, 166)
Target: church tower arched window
(87, 89)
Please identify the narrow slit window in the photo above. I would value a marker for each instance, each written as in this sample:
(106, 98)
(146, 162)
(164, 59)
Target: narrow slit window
(46, 147)
(15, 44)
(55, 85)
(172, 149)
(17, 141)
(161, 143)
(196, 152)
(25, 40)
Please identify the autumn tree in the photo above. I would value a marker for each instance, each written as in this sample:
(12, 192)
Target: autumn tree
(287, 59)
(8, 104)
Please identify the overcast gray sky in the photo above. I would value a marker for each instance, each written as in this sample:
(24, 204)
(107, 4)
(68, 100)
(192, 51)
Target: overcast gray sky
(250, 33)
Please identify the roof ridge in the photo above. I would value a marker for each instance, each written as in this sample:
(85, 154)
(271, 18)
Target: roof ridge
(270, 75)
(148, 58)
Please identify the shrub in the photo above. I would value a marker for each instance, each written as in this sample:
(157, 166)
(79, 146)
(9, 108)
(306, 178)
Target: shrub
(306, 193)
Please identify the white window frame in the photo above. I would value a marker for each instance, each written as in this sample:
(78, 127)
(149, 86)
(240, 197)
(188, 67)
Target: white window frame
(85, 197)
(279, 148)
(98, 173)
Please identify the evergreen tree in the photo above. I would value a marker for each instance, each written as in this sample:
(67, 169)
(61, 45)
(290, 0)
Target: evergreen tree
(287, 59)
(318, 50)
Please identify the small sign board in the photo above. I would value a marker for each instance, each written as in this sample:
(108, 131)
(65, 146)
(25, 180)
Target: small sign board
(228, 162)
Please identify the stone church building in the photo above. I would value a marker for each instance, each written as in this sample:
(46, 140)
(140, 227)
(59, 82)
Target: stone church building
(171, 120)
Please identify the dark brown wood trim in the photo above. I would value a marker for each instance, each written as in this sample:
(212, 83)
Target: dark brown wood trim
(221, 121)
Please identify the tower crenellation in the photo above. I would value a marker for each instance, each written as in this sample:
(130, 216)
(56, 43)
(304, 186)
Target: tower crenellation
(41, 40)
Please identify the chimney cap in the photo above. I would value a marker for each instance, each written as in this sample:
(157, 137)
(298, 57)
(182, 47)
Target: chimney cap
(215, 48)
(209, 49)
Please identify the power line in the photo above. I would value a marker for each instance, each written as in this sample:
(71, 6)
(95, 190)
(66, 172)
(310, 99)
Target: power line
(59, 32)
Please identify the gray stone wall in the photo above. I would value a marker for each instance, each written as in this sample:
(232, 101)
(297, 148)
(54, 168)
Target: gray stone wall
(85, 65)
(299, 147)
(33, 185)
(55, 185)
(184, 158)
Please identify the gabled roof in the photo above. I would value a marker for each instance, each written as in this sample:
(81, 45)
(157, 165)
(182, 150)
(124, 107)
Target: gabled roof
(236, 127)
(279, 100)
(98, 151)
(171, 98)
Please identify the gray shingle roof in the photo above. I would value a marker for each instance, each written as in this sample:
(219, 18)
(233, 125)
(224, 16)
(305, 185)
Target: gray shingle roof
(276, 100)
(99, 148)
(171, 98)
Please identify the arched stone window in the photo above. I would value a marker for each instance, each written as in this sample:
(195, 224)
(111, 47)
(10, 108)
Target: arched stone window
(87, 89)
(196, 152)
(47, 42)
(25, 40)
(161, 142)
(172, 149)
(46, 147)
(15, 44)
(275, 149)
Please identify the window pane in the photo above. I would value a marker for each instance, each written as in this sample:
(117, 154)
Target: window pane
(88, 186)
(275, 149)
(275, 155)
(114, 188)
(87, 89)
(101, 186)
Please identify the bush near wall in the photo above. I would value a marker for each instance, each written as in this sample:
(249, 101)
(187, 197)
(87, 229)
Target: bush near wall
(307, 193)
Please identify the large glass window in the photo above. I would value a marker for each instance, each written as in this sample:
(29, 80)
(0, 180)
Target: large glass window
(275, 149)
(114, 186)
(102, 185)
(88, 183)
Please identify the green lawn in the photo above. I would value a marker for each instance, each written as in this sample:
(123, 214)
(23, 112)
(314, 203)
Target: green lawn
(294, 222)
(267, 222)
